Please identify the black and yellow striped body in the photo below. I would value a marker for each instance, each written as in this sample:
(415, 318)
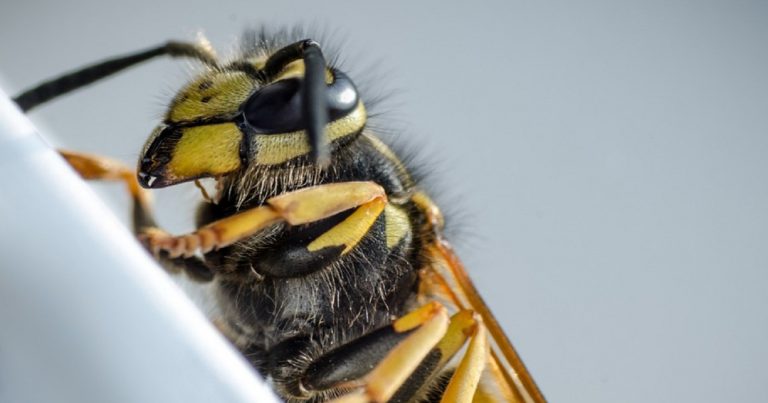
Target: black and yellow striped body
(311, 301)
(292, 294)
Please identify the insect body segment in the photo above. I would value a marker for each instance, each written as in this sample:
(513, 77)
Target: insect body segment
(327, 260)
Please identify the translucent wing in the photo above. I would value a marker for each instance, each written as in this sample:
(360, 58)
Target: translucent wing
(447, 280)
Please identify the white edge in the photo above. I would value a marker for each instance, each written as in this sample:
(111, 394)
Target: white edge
(85, 314)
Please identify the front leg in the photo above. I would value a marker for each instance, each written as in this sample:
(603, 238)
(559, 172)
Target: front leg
(96, 167)
(299, 207)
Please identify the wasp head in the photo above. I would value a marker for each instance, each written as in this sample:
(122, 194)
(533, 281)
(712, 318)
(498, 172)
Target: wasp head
(254, 111)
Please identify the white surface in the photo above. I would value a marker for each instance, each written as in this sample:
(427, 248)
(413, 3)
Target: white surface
(85, 314)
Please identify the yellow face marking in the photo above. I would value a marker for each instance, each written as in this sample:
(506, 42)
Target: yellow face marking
(397, 225)
(274, 149)
(214, 94)
(350, 231)
(206, 150)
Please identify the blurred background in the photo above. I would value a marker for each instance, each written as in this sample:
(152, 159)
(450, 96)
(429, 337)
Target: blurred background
(603, 163)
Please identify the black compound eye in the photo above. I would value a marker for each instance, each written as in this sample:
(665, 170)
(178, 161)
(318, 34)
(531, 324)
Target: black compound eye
(276, 108)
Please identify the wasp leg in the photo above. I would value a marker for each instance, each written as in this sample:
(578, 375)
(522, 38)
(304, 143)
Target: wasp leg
(465, 380)
(380, 384)
(464, 325)
(93, 167)
(326, 247)
(351, 362)
(295, 208)
(497, 386)
(196, 268)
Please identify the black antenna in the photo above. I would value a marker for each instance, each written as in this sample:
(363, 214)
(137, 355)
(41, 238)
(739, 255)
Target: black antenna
(313, 102)
(54, 88)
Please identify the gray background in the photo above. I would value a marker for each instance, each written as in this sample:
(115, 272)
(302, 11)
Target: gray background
(604, 161)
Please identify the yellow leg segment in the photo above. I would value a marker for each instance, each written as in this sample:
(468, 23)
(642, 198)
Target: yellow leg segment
(93, 167)
(431, 323)
(435, 333)
(350, 231)
(462, 327)
(315, 203)
(298, 207)
(463, 384)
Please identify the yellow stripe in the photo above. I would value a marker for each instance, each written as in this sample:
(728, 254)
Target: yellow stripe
(398, 225)
(422, 201)
(350, 231)
(387, 152)
(274, 149)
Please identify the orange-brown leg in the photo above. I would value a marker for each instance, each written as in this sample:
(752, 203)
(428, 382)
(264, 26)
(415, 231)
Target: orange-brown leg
(464, 325)
(95, 167)
(496, 385)
(431, 323)
(464, 382)
(435, 334)
(295, 208)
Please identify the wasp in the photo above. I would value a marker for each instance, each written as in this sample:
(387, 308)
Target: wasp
(328, 260)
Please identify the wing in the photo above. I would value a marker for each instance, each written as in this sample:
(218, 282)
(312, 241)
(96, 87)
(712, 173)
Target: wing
(445, 279)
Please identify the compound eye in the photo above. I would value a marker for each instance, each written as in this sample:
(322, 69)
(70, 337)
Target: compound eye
(342, 96)
(276, 108)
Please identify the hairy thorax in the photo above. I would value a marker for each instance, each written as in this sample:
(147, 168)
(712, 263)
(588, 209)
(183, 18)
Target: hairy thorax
(278, 300)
